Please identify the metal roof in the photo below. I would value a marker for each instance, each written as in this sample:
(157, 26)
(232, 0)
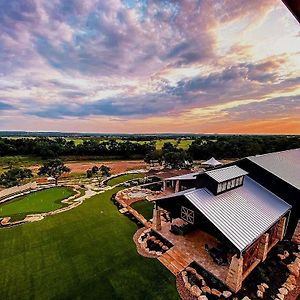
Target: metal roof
(242, 214)
(189, 176)
(284, 164)
(223, 174)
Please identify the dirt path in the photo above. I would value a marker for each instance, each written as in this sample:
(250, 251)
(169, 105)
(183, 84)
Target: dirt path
(116, 166)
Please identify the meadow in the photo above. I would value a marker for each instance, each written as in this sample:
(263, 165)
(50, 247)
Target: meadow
(36, 202)
(84, 253)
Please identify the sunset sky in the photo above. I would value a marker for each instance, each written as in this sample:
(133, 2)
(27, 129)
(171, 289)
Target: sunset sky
(146, 66)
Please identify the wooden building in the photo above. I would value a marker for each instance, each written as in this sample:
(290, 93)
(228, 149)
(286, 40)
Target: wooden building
(244, 216)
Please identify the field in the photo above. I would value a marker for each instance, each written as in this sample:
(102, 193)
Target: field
(37, 202)
(145, 208)
(84, 253)
(123, 178)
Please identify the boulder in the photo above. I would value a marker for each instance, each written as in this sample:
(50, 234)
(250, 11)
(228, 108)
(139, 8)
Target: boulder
(187, 285)
(283, 291)
(293, 269)
(265, 285)
(195, 290)
(260, 294)
(189, 269)
(261, 288)
(206, 289)
(216, 292)
(280, 296)
(198, 277)
(226, 294)
(291, 279)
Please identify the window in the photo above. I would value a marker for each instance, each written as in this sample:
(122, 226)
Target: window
(229, 185)
(224, 184)
(187, 215)
(233, 183)
(219, 189)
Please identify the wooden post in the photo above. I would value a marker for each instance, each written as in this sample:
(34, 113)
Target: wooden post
(177, 186)
(263, 247)
(235, 274)
(156, 218)
(296, 235)
(281, 228)
(164, 185)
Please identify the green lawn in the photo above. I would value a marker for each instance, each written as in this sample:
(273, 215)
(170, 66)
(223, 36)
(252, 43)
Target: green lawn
(123, 178)
(37, 202)
(84, 253)
(145, 208)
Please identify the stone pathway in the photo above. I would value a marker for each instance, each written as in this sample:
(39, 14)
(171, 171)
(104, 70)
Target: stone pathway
(174, 260)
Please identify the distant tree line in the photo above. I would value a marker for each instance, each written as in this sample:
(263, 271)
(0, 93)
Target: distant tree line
(56, 147)
(223, 147)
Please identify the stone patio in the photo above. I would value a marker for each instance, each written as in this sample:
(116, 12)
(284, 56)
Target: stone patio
(191, 247)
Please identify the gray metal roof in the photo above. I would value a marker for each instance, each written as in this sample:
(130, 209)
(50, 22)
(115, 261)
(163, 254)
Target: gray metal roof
(242, 214)
(223, 174)
(189, 176)
(284, 164)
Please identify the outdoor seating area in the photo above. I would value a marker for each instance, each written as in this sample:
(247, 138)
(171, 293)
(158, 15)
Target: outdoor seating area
(200, 247)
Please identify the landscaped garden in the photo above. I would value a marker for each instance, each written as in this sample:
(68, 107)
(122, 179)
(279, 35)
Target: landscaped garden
(84, 253)
(144, 207)
(122, 178)
(36, 202)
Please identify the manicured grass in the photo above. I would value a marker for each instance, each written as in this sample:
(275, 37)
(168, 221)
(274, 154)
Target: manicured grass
(145, 208)
(123, 178)
(84, 253)
(37, 202)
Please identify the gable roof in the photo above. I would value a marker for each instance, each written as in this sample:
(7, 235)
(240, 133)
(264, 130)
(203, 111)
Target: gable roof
(284, 165)
(223, 174)
(242, 214)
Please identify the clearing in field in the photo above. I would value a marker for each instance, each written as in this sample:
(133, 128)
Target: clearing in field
(123, 178)
(83, 253)
(36, 202)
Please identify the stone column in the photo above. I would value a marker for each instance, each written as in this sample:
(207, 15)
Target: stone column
(235, 274)
(281, 228)
(177, 186)
(296, 235)
(263, 247)
(156, 218)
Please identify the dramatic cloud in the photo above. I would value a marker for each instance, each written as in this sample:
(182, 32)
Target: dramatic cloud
(86, 64)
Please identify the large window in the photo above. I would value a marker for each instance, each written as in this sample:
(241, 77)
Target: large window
(187, 215)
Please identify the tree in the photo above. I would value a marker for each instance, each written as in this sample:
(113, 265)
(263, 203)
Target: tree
(54, 168)
(177, 160)
(105, 171)
(14, 176)
(99, 173)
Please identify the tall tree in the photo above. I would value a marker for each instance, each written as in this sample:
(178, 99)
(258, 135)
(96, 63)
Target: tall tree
(54, 168)
(99, 173)
(14, 176)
